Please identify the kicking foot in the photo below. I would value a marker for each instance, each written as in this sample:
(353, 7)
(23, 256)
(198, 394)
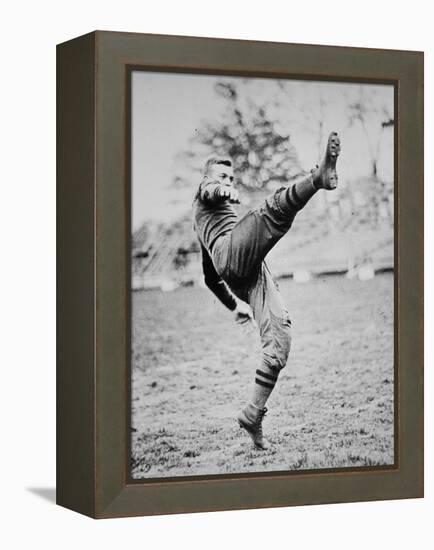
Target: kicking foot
(250, 419)
(325, 176)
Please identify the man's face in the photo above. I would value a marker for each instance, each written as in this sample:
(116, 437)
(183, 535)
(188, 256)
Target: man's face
(223, 174)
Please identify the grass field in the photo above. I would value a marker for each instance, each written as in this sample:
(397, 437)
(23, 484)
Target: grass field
(193, 368)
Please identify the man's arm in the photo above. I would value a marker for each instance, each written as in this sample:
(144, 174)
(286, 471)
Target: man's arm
(243, 313)
(215, 283)
(211, 192)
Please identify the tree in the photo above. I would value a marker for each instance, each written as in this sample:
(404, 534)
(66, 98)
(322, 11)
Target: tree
(373, 116)
(261, 151)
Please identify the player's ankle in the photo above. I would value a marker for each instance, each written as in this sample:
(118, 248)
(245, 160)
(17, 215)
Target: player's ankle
(316, 177)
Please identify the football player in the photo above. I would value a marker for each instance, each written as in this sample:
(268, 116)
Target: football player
(233, 254)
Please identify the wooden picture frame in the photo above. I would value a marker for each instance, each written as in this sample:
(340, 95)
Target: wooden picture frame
(93, 281)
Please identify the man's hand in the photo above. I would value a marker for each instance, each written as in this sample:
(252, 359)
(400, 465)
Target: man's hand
(227, 192)
(244, 317)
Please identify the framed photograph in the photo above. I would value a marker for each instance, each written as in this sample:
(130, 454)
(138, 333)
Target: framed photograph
(240, 274)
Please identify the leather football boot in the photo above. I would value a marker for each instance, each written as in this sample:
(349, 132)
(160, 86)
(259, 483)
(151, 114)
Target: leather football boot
(250, 419)
(325, 175)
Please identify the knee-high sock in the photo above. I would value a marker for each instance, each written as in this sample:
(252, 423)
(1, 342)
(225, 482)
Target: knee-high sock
(301, 192)
(265, 380)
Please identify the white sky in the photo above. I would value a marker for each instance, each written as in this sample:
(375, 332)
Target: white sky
(167, 107)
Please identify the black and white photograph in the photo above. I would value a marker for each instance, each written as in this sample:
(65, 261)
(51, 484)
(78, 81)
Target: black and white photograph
(262, 275)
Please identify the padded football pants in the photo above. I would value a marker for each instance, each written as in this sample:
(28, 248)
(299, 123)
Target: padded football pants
(239, 259)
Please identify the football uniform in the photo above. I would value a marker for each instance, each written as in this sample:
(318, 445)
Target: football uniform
(233, 254)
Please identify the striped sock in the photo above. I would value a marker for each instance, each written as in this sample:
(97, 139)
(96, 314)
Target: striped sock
(301, 192)
(265, 380)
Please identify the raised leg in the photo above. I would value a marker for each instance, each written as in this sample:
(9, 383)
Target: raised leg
(260, 229)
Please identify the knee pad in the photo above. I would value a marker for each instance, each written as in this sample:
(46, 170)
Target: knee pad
(281, 330)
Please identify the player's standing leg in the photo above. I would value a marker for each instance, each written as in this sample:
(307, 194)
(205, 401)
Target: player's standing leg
(274, 325)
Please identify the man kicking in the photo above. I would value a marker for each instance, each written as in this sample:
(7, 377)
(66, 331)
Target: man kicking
(233, 253)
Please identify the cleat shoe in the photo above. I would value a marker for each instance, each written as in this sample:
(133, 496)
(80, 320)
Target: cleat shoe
(325, 176)
(250, 419)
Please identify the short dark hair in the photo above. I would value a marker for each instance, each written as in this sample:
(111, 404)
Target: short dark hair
(226, 161)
